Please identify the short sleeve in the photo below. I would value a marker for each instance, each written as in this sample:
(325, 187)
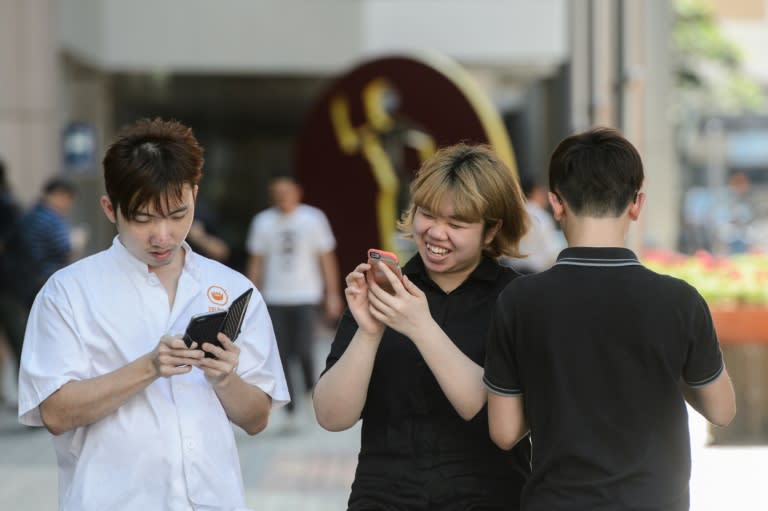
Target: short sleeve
(704, 360)
(53, 353)
(501, 371)
(344, 333)
(260, 363)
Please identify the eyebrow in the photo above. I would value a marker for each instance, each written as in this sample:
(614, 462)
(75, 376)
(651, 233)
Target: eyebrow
(181, 209)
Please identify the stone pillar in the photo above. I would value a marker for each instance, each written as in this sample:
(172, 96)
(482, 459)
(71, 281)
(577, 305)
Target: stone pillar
(29, 138)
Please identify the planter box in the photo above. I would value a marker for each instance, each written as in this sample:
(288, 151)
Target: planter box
(743, 334)
(741, 325)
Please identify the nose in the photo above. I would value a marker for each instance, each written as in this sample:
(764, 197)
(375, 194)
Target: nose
(437, 231)
(161, 232)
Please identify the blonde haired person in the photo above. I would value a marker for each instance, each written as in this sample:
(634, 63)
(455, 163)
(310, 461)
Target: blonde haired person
(409, 364)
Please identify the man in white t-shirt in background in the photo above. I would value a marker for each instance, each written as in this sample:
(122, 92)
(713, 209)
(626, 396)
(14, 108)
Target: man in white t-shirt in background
(292, 261)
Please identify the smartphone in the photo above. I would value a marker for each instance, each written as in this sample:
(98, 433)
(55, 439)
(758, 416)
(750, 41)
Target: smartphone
(205, 327)
(388, 258)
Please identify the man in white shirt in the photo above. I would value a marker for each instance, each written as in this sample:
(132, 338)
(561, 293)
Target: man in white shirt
(140, 420)
(293, 262)
(543, 241)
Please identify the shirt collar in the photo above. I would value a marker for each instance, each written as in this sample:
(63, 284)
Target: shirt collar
(487, 270)
(597, 256)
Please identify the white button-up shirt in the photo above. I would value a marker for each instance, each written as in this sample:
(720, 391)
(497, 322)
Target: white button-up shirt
(171, 446)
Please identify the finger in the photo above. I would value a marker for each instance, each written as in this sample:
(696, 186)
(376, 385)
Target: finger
(173, 361)
(378, 300)
(224, 340)
(174, 341)
(411, 287)
(393, 279)
(219, 365)
(220, 353)
(174, 370)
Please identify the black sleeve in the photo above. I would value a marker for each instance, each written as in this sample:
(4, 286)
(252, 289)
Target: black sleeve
(704, 360)
(344, 333)
(501, 372)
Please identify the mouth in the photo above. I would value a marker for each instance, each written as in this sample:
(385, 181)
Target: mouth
(161, 254)
(435, 250)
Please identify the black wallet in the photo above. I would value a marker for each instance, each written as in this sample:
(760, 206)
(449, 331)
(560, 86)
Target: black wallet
(205, 327)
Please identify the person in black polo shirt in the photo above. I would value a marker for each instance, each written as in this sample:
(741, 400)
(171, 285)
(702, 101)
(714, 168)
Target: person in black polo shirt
(598, 354)
(410, 363)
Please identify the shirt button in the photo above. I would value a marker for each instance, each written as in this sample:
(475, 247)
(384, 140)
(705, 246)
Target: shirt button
(190, 445)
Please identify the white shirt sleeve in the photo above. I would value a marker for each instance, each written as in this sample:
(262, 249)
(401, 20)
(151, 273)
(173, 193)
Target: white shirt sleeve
(53, 353)
(259, 358)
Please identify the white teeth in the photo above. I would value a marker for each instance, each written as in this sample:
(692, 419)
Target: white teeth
(437, 250)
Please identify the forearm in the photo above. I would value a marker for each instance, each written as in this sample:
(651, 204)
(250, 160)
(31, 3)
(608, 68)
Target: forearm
(246, 405)
(716, 400)
(340, 394)
(254, 269)
(507, 424)
(330, 268)
(459, 377)
(80, 403)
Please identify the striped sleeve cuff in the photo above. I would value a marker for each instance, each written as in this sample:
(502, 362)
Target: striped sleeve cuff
(502, 391)
(708, 380)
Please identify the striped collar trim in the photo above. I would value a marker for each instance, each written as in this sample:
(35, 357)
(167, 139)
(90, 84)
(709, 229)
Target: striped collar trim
(598, 256)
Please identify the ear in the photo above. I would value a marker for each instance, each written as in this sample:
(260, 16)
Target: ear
(636, 205)
(194, 192)
(491, 233)
(558, 208)
(109, 211)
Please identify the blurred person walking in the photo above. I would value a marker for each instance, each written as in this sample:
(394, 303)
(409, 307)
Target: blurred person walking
(543, 242)
(140, 420)
(292, 261)
(12, 312)
(409, 364)
(598, 355)
(42, 242)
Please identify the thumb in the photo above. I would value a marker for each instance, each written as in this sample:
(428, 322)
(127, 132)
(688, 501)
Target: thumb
(409, 286)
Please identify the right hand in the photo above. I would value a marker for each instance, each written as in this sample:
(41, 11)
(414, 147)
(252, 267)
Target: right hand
(356, 293)
(171, 356)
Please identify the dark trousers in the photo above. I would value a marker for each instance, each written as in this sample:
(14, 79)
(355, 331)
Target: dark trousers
(294, 328)
(13, 320)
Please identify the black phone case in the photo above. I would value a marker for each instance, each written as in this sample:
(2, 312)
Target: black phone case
(205, 327)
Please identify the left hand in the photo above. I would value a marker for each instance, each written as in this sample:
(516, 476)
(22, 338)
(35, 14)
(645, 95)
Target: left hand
(221, 369)
(406, 311)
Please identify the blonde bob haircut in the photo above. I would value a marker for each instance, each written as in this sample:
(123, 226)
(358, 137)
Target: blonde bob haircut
(482, 189)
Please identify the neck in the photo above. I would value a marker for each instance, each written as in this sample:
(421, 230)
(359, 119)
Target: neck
(448, 281)
(169, 275)
(596, 232)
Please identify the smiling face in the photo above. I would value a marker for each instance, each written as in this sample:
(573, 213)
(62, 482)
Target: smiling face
(450, 247)
(155, 236)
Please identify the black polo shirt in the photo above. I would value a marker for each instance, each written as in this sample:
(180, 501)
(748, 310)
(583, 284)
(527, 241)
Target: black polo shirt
(598, 345)
(416, 451)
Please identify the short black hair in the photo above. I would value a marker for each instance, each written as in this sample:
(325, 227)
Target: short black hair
(150, 162)
(60, 184)
(596, 172)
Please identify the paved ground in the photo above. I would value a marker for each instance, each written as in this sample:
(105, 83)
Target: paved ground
(311, 469)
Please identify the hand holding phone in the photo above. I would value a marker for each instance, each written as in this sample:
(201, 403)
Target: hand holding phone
(206, 327)
(376, 256)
